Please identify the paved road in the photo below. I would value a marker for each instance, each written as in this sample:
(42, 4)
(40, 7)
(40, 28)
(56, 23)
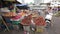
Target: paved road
(56, 27)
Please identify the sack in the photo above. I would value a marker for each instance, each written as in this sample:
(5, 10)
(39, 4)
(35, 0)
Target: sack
(39, 29)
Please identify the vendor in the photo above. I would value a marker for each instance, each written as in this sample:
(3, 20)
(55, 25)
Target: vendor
(48, 10)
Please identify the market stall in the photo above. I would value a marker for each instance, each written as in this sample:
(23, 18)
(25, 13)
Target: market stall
(18, 16)
(7, 12)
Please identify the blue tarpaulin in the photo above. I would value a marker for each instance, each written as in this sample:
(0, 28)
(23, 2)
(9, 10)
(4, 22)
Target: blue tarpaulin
(21, 4)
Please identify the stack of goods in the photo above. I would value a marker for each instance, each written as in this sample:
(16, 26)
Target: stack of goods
(16, 19)
(9, 14)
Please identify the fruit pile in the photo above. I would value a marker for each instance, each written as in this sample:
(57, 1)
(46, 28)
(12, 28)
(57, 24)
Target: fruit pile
(10, 14)
(39, 21)
(26, 20)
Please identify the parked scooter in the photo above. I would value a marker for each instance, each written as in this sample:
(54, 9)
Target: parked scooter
(48, 19)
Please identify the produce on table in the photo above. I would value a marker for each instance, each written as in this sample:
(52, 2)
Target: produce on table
(9, 14)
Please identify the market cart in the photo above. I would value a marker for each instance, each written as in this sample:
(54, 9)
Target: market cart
(40, 23)
(26, 24)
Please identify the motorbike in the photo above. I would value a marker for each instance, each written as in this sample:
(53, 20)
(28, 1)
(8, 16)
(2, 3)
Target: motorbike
(48, 19)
